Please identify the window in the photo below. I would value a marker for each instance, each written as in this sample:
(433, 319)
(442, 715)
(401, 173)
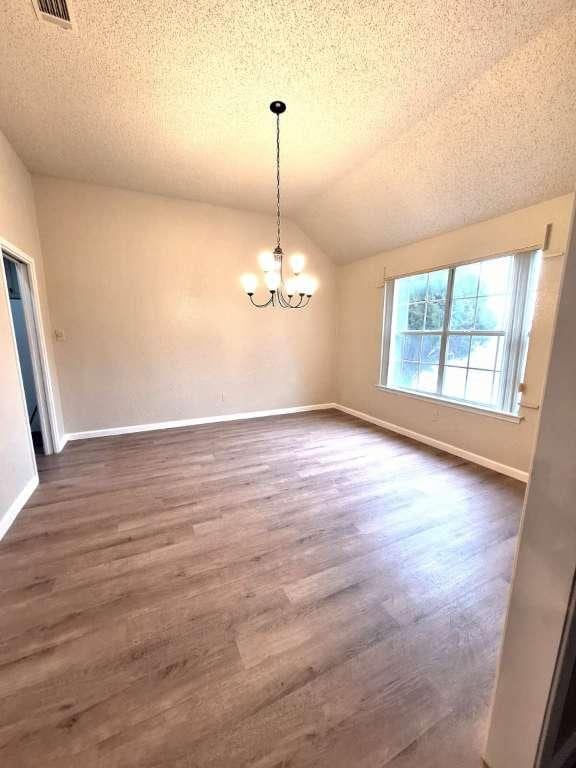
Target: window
(460, 333)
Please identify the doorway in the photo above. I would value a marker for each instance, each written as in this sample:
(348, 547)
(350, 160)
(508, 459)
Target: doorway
(33, 373)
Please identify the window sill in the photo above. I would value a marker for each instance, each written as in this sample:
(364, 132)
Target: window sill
(478, 409)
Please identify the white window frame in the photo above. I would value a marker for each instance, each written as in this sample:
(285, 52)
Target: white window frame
(515, 335)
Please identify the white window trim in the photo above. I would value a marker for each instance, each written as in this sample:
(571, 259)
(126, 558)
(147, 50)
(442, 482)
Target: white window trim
(515, 338)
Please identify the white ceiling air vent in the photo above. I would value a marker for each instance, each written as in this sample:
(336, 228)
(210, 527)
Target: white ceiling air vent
(56, 11)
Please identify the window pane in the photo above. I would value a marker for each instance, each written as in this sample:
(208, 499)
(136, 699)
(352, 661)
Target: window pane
(411, 349)
(483, 352)
(428, 378)
(408, 376)
(418, 284)
(411, 288)
(494, 276)
(437, 285)
(454, 382)
(457, 350)
(400, 314)
(434, 316)
(401, 292)
(416, 313)
(394, 368)
(430, 349)
(479, 386)
(463, 313)
(477, 344)
(466, 281)
(491, 313)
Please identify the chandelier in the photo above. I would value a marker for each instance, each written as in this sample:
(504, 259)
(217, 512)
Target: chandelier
(296, 291)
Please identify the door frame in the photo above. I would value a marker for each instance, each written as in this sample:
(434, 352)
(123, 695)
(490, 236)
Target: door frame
(28, 283)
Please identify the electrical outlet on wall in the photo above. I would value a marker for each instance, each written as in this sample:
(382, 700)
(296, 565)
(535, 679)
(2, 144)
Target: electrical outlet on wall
(435, 414)
(59, 334)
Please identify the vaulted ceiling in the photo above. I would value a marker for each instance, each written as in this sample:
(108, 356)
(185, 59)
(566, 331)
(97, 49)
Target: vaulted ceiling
(404, 118)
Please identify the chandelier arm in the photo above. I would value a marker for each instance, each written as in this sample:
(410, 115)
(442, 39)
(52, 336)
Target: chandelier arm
(266, 303)
(286, 300)
(298, 302)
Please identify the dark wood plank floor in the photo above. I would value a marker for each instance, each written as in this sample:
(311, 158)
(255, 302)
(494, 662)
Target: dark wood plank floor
(289, 592)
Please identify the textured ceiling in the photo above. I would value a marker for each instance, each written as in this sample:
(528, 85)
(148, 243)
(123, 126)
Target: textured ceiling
(505, 142)
(404, 118)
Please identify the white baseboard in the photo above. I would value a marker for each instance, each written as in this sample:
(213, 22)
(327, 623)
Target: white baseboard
(194, 422)
(61, 441)
(12, 512)
(475, 458)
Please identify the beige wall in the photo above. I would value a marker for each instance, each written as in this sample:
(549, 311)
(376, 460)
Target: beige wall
(360, 301)
(546, 560)
(18, 227)
(147, 292)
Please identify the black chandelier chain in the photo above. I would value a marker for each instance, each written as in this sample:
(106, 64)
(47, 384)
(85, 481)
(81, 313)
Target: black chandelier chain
(278, 180)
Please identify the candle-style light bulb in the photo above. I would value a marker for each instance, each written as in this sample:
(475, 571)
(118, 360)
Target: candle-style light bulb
(272, 280)
(249, 283)
(267, 261)
(311, 286)
(307, 285)
(291, 286)
(297, 262)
